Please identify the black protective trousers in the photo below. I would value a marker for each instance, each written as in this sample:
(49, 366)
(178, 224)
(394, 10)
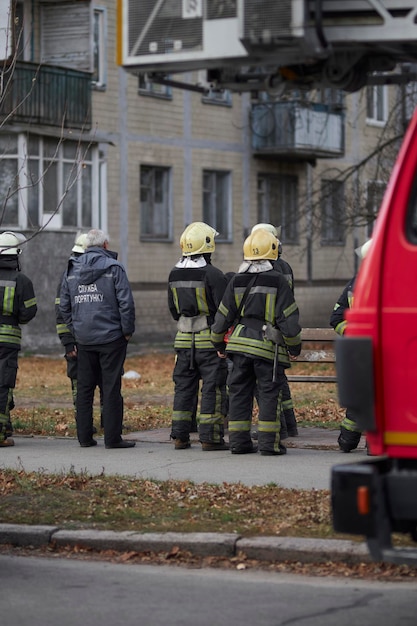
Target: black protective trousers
(8, 375)
(212, 371)
(105, 361)
(247, 373)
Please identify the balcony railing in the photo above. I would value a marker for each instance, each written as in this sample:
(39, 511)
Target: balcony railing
(46, 95)
(297, 131)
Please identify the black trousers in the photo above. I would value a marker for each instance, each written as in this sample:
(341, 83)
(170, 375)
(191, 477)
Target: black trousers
(103, 361)
(8, 374)
(246, 373)
(212, 371)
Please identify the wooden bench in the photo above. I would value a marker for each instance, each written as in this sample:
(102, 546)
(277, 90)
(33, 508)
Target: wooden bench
(317, 347)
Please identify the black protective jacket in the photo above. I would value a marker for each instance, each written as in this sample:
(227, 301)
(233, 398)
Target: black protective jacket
(337, 318)
(269, 304)
(17, 299)
(195, 290)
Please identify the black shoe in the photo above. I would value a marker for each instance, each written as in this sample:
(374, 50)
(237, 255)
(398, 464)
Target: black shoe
(282, 450)
(182, 444)
(121, 444)
(88, 444)
(345, 446)
(212, 447)
(293, 433)
(246, 450)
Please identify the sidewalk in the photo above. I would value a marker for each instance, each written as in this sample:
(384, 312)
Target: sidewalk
(306, 466)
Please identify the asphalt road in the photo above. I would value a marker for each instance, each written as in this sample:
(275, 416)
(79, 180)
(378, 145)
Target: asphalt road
(66, 592)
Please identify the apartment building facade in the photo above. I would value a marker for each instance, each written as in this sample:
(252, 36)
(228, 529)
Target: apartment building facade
(86, 144)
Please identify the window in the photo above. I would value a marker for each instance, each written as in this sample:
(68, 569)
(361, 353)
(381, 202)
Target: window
(333, 212)
(278, 204)
(148, 88)
(223, 97)
(74, 35)
(155, 203)
(332, 98)
(217, 202)
(374, 195)
(48, 182)
(409, 93)
(376, 104)
(99, 77)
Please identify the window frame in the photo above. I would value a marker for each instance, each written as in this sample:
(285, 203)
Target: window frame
(333, 232)
(283, 212)
(156, 238)
(99, 48)
(31, 161)
(376, 105)
(375, 191)
(211, 217)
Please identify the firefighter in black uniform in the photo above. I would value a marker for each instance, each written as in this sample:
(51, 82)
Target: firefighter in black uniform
(260, 305)
(288, 419)
(18, 307)
(195, 289)
(350, 433)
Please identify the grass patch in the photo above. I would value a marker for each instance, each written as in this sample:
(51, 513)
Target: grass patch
(44, 402)
(78, 500)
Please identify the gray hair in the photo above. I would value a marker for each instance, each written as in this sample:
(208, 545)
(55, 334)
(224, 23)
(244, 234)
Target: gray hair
(96, 238)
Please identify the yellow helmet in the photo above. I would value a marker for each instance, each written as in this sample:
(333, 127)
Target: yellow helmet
(260, 244)
(198, 238)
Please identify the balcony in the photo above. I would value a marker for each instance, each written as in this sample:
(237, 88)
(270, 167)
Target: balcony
(297, 131)
(45, 95)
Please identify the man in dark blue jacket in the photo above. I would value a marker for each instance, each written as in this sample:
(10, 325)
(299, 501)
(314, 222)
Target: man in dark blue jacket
(96, 302)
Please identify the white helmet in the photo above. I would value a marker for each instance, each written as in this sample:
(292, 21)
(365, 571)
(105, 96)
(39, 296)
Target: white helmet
(9, 243)
(269, 227)
(80, 244)
(363, 250)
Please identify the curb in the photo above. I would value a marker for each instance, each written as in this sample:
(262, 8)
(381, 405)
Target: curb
(272, 549)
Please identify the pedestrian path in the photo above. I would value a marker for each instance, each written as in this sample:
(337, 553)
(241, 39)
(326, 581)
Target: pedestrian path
(307, 465)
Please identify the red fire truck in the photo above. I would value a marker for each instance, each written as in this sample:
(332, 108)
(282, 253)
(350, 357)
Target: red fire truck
(268, 45)
(377, 375)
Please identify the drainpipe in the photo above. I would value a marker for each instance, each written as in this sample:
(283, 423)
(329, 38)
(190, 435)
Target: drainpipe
(309, 225)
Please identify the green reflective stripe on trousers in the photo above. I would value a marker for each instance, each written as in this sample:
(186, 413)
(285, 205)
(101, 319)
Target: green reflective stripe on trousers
(269, 427)
(350, 425)
(287, 404)
(209, 418)
(239, 426)
(181, 416)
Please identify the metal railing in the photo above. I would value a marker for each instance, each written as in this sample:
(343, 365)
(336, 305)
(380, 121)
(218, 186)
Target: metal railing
(296, 129)
(46, 95)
